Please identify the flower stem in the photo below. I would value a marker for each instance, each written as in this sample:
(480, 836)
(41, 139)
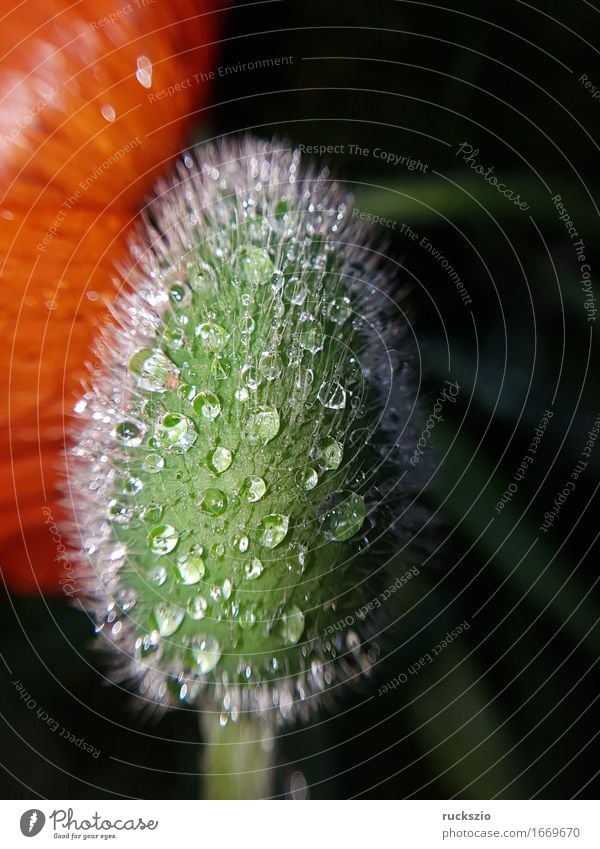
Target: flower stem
(237, 759)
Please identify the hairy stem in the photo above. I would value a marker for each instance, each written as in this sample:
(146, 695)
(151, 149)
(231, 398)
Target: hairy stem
(237, 759)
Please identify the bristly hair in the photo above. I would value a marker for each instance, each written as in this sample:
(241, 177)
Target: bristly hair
(240, 480)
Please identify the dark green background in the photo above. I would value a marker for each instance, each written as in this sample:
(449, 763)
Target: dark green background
(508, 710)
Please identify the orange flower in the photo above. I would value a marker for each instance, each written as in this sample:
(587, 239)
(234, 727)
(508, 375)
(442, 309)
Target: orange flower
(96, 98)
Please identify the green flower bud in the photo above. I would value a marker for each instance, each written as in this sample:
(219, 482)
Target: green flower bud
(241, 454)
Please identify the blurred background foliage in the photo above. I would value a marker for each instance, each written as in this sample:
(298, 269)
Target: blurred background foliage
(507, 710)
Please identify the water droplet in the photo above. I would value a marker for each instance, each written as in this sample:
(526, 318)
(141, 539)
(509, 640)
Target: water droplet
(118, 512)
(205, 653)
(332, 395)
(177, 433)
(254, 265)
(143, 72)
(152, 513)
(126, 599)
(220, 368)
(310, 335)
(344, 517)
(128, 433)
(132, 485)
(242, 394)
(304, 379)
(147, 646)
(214, 502)
(262, 425)
(151, 370)
(308, 478)
(250, 377)
(168, 618)
(197, 606)
(272, 529)
(213, 336)
(186, 392)
(253, 569)
(270, 365)
(295, 291)
(227, 588)
(247, 325)
(339, 310)
(190, 568)
(220, 460)
(329, 453)
(253, 488)
(153, 463)
(292, 624)
(217, 550)
(247, 620)
(158, 576)
(241, 543)
(207, 404)
(162, 539)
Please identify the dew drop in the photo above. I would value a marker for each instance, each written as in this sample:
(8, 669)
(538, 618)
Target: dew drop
(162, 539)
(292, 624)
(332, 395)
(168, 618)
(118, 512)
(270, 365)
(262, 425)
(207, 405)
(159, 576)
(153, 463)
(205, 653)
(213, 502)
(253, 569)
(176, 433)
(273, 529)
(190, 568)
(310, 335)
(220, 460)
(255, 266)
(329, 453)
(253, 488)
(197, 606)
(151, 369)
(128, 433)
(344, 517)
(213, 336)
(308, 478)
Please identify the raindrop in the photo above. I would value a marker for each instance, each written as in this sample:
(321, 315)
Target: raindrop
(213, 336)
